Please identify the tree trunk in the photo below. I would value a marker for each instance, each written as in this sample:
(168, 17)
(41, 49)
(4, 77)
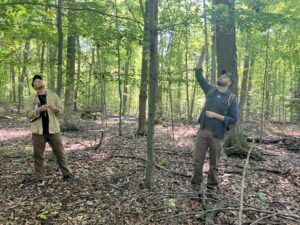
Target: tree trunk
(178, 99)
(213, 55)
(144, 74)
(13, 83)
(119, 71)
(227, 57)
(126, 76)
(22, 75)
(264, 88)
(42, 58)
(189, 119)
(78, 74)
(243, 94)
(153, 18)
(206, 42)
(51, 61)
(91, 73)
(59, 48)
(70, 72)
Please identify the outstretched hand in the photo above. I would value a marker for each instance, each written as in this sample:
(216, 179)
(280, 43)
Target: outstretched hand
(203, 50)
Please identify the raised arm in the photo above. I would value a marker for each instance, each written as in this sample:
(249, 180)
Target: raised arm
(205, 86)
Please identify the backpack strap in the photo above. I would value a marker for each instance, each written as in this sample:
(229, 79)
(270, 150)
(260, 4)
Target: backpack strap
(230, 99)
(211, 91)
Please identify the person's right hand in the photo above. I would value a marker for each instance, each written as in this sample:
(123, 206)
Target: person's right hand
(201, 58)
(43, 108)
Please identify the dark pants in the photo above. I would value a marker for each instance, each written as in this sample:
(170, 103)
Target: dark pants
(39, 145)
(206, 141)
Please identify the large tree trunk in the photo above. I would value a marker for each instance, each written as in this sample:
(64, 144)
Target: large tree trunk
(153, 17)
(59, 48)
(70, 73)
(227, 57)
(144, 73)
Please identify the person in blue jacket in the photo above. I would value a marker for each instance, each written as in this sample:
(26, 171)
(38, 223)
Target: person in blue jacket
(220, 110)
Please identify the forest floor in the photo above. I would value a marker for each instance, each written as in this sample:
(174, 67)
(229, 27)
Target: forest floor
(110, 187)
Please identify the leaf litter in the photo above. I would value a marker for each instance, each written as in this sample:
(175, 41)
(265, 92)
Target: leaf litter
(110, 187)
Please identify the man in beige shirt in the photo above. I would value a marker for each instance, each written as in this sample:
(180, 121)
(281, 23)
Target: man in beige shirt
(43, 109)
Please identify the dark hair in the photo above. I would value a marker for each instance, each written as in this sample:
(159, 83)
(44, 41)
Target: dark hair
(223, 72)
(36, 76)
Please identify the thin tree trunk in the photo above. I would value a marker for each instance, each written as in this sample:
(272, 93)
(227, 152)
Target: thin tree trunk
(206, 42)
(213, 55)
(59, 48)
(153, 18)
(70, 72)
(13, 83)
(91, 72)
(78, 74)
(243, 94)
(267, 94)
(42, 58)
(249, 98)
(144, 74)
(187, 69)
(264, 87)
(126, 76)
(51, 60)
(178, 100)
(22, 75)
(119, 71)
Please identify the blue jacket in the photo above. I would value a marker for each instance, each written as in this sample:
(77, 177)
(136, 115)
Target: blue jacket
(216, 102)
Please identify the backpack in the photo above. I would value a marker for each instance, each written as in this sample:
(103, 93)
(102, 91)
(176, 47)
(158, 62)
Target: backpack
(230, 99)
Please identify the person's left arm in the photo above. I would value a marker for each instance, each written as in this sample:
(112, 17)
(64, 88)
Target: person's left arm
(232, 116)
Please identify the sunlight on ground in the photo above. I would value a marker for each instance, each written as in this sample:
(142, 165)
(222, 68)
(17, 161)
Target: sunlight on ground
(8, 134)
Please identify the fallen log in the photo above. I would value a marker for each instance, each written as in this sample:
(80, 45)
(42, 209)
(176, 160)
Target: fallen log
(242, 153)
(266, 141)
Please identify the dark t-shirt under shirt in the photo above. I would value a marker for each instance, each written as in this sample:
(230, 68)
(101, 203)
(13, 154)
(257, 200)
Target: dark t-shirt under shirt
(44, 115)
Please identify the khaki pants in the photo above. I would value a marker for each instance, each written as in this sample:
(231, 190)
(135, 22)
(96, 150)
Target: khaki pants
(206, 141)
(39, 145)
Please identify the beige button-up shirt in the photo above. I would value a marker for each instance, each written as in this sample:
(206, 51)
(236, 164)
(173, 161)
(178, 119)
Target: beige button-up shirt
(36, 121)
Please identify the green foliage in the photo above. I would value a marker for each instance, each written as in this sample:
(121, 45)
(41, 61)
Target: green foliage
(170, 204)
(42, 215)
(5, 150)
(181, 33)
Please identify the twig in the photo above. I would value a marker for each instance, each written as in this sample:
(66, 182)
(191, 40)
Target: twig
(100, 142)
(261, 218)
(242, 188)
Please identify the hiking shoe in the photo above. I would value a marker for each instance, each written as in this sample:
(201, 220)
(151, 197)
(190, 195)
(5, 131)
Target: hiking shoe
(70, 177)
(212, 192)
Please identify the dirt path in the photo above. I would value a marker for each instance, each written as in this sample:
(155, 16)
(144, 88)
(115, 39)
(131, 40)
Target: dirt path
(110, 189)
